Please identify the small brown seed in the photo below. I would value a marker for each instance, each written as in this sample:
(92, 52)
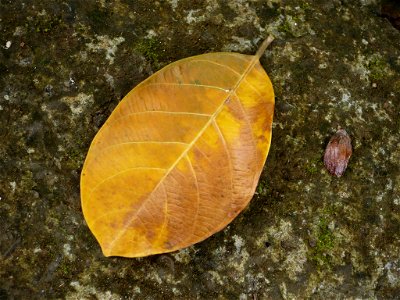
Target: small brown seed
(337, 153)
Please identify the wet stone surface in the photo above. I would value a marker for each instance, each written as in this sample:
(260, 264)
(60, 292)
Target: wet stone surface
(65, 65)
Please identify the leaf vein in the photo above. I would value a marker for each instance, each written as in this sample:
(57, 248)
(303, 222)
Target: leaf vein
(198, 197)
(233, 71)
(164, 224)
(188, 84)
(121, 172)
(221, 136)
(162, 112)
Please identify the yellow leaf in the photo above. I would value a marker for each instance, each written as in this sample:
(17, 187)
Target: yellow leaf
(180, 156)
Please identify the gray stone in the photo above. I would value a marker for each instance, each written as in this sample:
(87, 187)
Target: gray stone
(65, 65)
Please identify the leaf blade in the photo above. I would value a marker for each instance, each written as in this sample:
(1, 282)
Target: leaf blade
(229, 101)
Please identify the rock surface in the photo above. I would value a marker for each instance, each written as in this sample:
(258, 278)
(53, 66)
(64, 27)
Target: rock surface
(65, 65)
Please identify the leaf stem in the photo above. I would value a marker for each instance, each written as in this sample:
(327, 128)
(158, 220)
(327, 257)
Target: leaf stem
(264, 46)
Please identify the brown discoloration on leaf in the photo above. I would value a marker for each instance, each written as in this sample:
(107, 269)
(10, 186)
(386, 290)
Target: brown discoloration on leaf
(337, 153)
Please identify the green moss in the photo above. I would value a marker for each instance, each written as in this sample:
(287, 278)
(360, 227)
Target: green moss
(284, 27)
(305, 6)
(291, 25)
(27, 181)
(325, 241)
(377, 67)
(46, 24)
(313, 165)
(151, 50)
(41, 80)
(65, 268)
(262, 188)
(75, 152)
(74, 160)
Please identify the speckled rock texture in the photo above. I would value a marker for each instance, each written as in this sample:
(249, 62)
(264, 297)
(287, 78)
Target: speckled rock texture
(64, 66)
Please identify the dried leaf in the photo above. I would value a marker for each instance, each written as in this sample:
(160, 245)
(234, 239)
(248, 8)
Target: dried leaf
(337, 153)
(180, 156)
